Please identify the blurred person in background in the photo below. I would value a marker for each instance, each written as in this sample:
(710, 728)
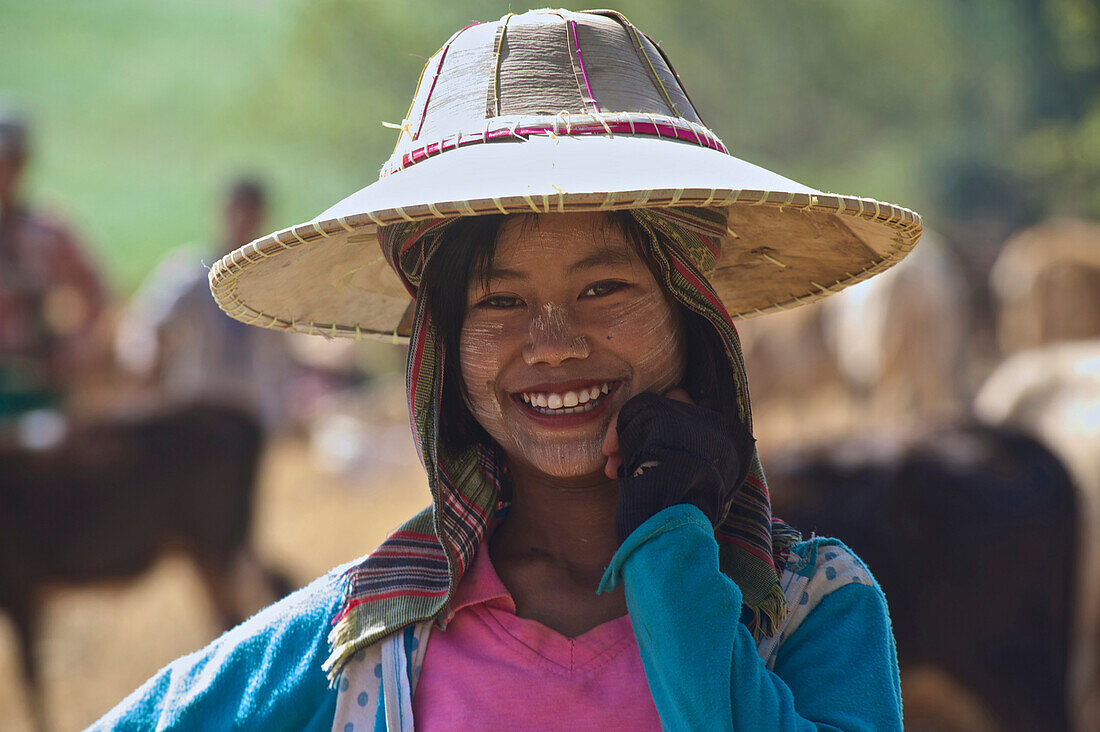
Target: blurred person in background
(51, 293)
(176, 338)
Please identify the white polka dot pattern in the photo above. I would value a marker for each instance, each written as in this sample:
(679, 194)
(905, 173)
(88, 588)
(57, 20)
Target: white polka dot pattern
(834, 568)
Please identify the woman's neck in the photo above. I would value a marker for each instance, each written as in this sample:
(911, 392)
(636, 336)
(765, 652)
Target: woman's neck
(552, 549)
(570, 522)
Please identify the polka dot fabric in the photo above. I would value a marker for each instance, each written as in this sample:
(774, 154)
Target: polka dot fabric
(358, 687)
(360, 684)
(814, 569)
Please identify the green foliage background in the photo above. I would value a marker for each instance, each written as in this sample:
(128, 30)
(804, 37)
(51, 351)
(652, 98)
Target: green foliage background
(143, 109)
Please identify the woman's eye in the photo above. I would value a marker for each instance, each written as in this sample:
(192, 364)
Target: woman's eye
(501, 302)
(603, 288)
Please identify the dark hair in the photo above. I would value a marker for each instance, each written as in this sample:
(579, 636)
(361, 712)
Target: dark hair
(463, 255)
(465, 252)
(14, 136)
(247, 191)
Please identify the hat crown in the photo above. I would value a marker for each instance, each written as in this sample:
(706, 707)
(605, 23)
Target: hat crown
(544, 69)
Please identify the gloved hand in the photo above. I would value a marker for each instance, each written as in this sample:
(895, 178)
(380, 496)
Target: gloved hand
(672, 452)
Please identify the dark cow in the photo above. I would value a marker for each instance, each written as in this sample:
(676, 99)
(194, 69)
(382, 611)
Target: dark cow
(109, 498)
(971, 532)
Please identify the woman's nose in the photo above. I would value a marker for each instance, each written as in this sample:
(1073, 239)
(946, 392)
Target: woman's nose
(554, 338)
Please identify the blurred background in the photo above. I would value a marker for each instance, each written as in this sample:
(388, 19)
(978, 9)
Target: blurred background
(141, 140)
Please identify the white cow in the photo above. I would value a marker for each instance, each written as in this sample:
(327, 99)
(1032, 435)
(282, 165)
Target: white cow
(1053, 393)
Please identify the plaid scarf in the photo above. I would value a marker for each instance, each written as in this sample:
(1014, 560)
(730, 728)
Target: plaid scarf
(411, 577)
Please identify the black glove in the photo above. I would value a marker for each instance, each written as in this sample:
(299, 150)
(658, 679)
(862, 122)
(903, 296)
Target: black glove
(673, 453)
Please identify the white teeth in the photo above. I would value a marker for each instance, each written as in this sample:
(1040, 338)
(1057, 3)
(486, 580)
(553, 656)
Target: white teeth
(580, 400)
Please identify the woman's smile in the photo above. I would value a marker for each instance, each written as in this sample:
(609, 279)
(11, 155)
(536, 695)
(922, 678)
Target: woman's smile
(564, 406)
(568, 324)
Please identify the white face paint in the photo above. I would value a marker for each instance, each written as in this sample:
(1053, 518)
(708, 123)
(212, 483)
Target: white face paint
(570, 325)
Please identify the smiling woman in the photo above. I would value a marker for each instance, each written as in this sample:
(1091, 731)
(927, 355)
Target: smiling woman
(567, 306)
(600, 550)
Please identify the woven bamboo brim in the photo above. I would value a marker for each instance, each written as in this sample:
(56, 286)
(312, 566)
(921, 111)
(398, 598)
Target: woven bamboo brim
(482, 141)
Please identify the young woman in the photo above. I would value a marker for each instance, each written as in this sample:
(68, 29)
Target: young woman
(600, 551)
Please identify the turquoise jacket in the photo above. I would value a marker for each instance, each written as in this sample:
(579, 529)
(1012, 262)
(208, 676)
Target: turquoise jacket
(837, 670)
(833, 666)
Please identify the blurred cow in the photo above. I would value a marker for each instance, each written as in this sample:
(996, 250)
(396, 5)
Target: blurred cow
(883, 351)
(108, 498)
(971, 532)
(792, 373)
(898, 337)
(1053, 393)
(1047, 284)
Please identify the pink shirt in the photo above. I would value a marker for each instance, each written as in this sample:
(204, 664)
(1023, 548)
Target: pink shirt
(493, 670)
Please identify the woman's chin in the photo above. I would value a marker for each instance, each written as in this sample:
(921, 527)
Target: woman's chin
(567, 463)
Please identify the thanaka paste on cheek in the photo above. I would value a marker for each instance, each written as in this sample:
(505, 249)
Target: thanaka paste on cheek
(480, 341)
(652, 319)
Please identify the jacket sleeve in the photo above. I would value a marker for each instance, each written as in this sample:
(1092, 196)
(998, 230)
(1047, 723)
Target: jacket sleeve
(263, 674)
(837, 671)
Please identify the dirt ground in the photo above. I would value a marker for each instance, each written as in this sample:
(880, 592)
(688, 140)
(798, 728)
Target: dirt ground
(100, 643)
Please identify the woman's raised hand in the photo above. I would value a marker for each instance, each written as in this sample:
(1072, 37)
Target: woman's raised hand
(611, 439)
(667, 450)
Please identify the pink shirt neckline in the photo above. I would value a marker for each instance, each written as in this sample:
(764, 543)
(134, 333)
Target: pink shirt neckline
(482, 592)
(493, 670)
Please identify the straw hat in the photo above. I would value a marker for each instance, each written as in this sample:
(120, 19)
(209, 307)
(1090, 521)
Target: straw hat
(555, 111)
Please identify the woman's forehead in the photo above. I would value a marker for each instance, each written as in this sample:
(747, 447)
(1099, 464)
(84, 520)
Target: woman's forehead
(562, 241)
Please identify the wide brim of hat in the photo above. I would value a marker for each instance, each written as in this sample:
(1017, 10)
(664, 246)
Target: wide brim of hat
(786, 244)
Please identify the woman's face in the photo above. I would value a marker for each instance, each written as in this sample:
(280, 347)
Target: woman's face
(569, 326)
